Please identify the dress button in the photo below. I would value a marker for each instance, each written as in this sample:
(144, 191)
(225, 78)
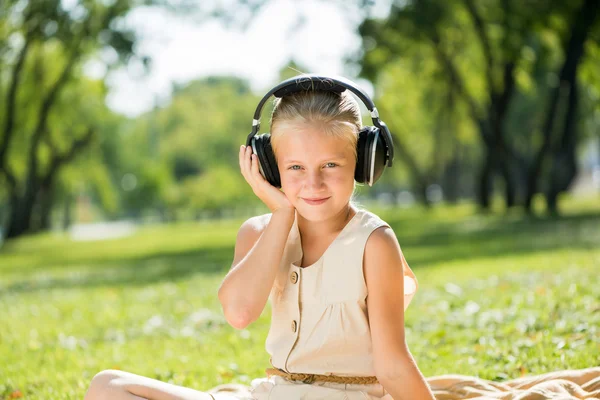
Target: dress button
(294, 277)
(294, 326)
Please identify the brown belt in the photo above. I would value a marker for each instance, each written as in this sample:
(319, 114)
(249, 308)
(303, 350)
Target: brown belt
(310, 378)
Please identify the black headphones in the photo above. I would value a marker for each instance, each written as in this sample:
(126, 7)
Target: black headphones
(374, 148)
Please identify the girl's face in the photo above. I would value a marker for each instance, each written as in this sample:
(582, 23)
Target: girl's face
(315, 166)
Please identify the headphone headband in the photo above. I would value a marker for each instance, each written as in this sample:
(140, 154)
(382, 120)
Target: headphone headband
(307, 82)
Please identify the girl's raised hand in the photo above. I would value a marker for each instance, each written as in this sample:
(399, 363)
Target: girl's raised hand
(274, 198)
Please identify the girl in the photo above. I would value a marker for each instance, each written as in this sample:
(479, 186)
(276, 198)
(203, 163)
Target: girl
(317, 256)
(335, 274)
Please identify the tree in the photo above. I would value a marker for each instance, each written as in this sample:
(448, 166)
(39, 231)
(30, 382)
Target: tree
(567, 89)
(43, 47)
(487, 79)
(185, 148)
(52, 43)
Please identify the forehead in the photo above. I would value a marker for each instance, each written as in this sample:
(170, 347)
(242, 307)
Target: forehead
(311, 143)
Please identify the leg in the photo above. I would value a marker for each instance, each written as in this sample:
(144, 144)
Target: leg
(120, 385)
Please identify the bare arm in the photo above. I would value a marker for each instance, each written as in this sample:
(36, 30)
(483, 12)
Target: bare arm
(385, 273)
(258, 250)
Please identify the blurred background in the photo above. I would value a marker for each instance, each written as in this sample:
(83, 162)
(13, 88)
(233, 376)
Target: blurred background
(134, 110)
(120, 190)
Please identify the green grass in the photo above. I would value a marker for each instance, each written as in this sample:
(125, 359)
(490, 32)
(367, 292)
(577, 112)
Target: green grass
(500, 296)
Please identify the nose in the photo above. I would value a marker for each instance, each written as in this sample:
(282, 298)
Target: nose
(314, 180)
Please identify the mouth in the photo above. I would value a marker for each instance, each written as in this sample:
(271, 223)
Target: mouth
(314, 202)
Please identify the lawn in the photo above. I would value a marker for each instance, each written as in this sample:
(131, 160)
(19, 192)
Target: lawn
(500, 296)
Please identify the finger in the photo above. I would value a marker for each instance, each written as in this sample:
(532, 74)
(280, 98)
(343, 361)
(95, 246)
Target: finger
(240, 157)
(247, 168)
(246, 160)
(255, 169)
(243, 168)
(248, 165)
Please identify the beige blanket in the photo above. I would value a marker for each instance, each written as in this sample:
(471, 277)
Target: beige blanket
(560, 385)
(563, 385)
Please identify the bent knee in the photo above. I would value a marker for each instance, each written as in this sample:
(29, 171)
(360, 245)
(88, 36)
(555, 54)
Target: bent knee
(104, 384)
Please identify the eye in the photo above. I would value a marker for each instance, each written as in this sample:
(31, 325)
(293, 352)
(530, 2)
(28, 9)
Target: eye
(332, 164)
(294, 169)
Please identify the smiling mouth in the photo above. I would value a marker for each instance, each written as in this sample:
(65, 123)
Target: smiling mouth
(316, 201)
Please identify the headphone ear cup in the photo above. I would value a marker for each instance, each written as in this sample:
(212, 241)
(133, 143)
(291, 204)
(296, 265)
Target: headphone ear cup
(380, 154)
(361, 145)
(371, 155)
(261, 145)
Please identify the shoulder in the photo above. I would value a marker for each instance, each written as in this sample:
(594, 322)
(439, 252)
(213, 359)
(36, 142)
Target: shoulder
(254, 225)
(384, 264)
(371, 219)
(385, 268)
(248, 234)
(382, 243)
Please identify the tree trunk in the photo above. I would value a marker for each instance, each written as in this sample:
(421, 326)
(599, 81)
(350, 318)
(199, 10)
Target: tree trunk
(534, 175)
(485, 181)
(21, 209)
(45, 202)
(498, 117)
(21, 219)
(14, 227)
(420, 190)
(581, 25)
(67, 207)
(18, 221)
(564, 171)
(451, 181)
(509, 182)
(564, 166)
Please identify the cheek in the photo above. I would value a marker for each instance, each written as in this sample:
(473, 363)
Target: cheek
(290, 183)
(342, 178)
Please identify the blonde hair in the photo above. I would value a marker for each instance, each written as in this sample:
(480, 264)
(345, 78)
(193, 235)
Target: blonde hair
(335, 114)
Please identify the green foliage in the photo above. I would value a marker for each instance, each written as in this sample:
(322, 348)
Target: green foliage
(145, 187)
(172, 158)
(218, 188)
(441, 70)
(52, 112)
(194, 141)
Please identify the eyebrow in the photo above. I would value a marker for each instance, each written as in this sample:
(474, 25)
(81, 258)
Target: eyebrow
(333, 157)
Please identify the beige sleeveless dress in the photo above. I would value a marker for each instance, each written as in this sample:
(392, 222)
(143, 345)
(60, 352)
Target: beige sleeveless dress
(319, 322)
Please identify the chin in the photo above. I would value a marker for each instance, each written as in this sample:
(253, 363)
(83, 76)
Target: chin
(312, 216)
(315, 214)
